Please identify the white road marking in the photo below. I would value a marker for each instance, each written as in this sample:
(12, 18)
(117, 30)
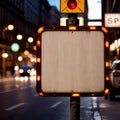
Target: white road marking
(56, 104)
(95, 104)
(36, 95)
(14, 106)
(97, 115)
(22, 88)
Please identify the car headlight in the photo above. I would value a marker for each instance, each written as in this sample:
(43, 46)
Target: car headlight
(21, 71)
(28, 71)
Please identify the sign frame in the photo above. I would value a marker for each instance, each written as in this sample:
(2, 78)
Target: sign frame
(73, 28)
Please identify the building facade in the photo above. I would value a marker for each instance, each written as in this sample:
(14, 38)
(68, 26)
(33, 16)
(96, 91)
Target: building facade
(26, 16)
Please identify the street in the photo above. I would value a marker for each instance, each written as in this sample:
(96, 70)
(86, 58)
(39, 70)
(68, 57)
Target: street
(19, 100)
(109, 109)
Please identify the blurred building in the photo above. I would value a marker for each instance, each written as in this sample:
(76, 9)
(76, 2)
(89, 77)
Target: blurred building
(26, 16)
(49, 15)
(113, 6)
(55, 16)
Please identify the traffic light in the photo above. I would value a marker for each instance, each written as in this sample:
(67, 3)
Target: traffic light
(15, 47)
(72, 6)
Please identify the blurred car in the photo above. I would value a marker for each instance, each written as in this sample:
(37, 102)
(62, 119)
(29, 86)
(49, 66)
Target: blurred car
(25, 70)
(114, 79)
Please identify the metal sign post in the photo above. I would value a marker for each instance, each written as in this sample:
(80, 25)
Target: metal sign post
(74, 101)
(74, 108)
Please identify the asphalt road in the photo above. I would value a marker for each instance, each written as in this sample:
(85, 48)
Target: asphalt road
(19, 100)
(109, 110)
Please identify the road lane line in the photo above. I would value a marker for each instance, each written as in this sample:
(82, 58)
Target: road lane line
(35, 95)
(22, 88)
(95, 104)
(14, 106)
(56, 104)
(97, 115)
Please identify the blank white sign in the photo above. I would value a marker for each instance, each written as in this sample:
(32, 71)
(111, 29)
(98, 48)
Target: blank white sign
(72, 61)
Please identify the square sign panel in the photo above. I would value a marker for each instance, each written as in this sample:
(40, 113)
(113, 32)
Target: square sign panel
(72, 61)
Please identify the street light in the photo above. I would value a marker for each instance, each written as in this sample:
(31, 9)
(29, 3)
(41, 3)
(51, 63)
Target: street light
(30, 39)
(20, 58)
(112, 47)
(119, 48)
(118, 42)
(4, 56)
(29, 42)
(26, 52)
(19, 37)
(9, 27)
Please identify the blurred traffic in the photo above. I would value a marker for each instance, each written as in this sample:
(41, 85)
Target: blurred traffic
(114, 85)
(24, 70)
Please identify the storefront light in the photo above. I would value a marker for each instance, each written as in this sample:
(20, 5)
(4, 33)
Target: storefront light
(10, 27)
(20, 58)
(112, 47)
(116, 44)
(30, 39)
(5, 55)
(35, 48)
(26, 52)
(19, 37)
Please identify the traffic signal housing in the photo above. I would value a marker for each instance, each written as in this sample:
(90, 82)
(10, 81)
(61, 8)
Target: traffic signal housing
(72, 6)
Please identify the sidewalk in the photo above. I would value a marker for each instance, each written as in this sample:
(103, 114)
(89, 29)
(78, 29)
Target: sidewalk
(6, 78)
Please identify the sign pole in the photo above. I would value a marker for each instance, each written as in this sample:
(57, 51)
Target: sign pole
(74, 101)
(74, 108)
